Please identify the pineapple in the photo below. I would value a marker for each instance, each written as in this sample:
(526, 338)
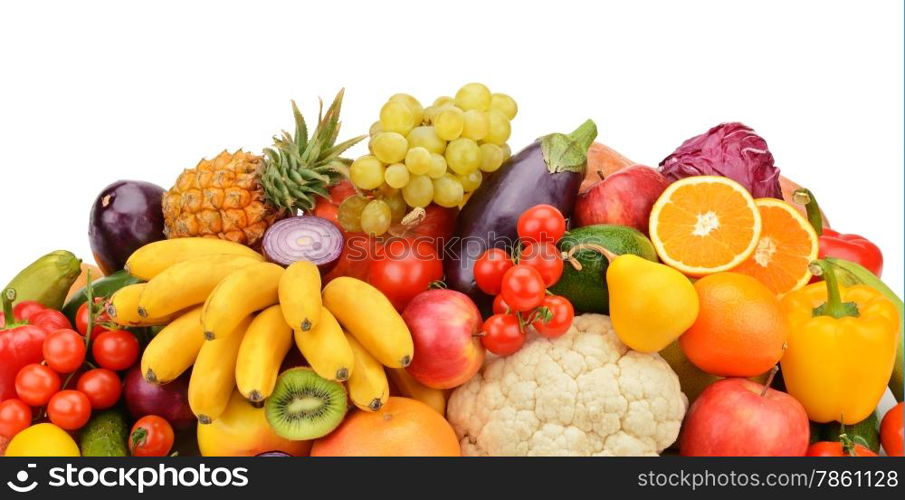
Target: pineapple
(237, 196)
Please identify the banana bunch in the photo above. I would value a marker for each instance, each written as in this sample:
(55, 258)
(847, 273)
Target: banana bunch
(232, 318)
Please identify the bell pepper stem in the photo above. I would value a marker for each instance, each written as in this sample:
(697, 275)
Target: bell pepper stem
(834, 307)
(9, 295)
(805, 197)
(769, 380)
(569, 256)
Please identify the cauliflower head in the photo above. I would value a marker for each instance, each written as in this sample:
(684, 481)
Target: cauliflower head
(584, 393)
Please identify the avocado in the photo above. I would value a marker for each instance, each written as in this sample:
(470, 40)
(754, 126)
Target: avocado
(587, 289)
(105, 435)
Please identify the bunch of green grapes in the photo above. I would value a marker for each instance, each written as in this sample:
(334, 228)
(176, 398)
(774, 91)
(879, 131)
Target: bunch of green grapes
(436, 154)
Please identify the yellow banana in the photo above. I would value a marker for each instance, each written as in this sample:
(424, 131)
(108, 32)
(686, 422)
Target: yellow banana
(409, 387)
(263, 348)
(214, 375)
(173, 350)
(243, 292)
(123, 308)
(370, 317)
(326, 348)
(153, 258)
(300, 295)
(369, 388)
(187, 284)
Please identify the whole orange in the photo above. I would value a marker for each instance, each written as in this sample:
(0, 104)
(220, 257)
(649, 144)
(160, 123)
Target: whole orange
(402, 428)
(740, 331)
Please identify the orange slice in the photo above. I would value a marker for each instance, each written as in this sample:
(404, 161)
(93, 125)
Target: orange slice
(786, 246)
(705, 224)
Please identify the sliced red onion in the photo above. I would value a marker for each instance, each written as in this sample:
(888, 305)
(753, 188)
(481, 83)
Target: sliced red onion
(307, 237)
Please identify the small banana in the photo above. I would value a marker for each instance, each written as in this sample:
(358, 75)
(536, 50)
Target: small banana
(244, 291)
(369, 388)
(369, 316)
(187, 284)
(409, 387)
(263, 348)
(326, 348)
(300, 295)
(174, 349)
(214, 375)
(153, 258)
(123, 308)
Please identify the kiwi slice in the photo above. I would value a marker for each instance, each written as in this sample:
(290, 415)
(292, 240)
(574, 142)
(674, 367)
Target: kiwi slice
(305, 405)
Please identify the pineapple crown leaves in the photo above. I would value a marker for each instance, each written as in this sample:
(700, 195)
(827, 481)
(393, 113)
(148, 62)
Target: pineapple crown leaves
(299, 167)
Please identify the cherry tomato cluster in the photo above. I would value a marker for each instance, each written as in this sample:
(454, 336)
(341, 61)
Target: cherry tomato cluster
(520, 284)
(42, 386)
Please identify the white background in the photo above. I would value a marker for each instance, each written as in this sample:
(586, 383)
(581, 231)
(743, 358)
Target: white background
(93, 92)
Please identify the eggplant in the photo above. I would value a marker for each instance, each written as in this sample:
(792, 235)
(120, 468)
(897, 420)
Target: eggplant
(549, 171)
(125, 216)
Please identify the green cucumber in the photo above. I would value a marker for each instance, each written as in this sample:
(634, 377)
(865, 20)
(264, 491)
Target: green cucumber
(105, 435)
(48, 279)
(103, 287)
(586, 289)
(849, 274)
(866, 432)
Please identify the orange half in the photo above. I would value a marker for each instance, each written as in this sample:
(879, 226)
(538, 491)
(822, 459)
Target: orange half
(705, 224)
(786, 246)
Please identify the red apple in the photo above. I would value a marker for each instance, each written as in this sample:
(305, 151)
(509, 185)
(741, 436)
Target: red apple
(623, 198)
(443, 325)
(737, 417)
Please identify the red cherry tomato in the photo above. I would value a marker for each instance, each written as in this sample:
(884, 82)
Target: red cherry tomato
(541, 223)
(115, 350)
(503, 335)
(50, 320)
(891, 430)
(500, 306)
(64, 351)
(14, 417)
(26, 309)
(69, 410)
(151, 436)
(523, 288)
(837, 449)
(102, 386)
(554, 317)
(81, 319)
(489, 270)
(403, 268)
(544, 257)
(36, 384)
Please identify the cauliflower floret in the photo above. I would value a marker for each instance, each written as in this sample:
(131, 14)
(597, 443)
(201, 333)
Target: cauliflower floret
(584, 393)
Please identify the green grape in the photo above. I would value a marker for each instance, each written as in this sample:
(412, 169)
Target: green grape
(394, 199)
(413, 105)
(471, 181)
(438, 166)
(349, 213)
(375, 129)
(396, 175)
(463, 156)
(426, 137)
(444, 101)
(499, 130)
(448, 191)
(507, 152)
(418, 160)
(366, 172)
(389, 147)
(419, 191)
(396, 116)
(505, 104)
(476, 125)
(376, 217)
(449, 122)
(491, 157)
(473, 96)
(430, 113)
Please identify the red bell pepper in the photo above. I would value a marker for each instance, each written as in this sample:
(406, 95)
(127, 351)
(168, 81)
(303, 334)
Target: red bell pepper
(850, 247)
(20, 344)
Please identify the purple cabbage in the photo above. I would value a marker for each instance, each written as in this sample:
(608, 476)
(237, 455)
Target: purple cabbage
(730, 150)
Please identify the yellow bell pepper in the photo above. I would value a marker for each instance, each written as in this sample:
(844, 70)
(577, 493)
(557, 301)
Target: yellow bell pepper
(841, 348)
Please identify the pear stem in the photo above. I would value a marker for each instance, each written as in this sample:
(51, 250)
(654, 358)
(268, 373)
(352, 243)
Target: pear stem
(570, 255)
